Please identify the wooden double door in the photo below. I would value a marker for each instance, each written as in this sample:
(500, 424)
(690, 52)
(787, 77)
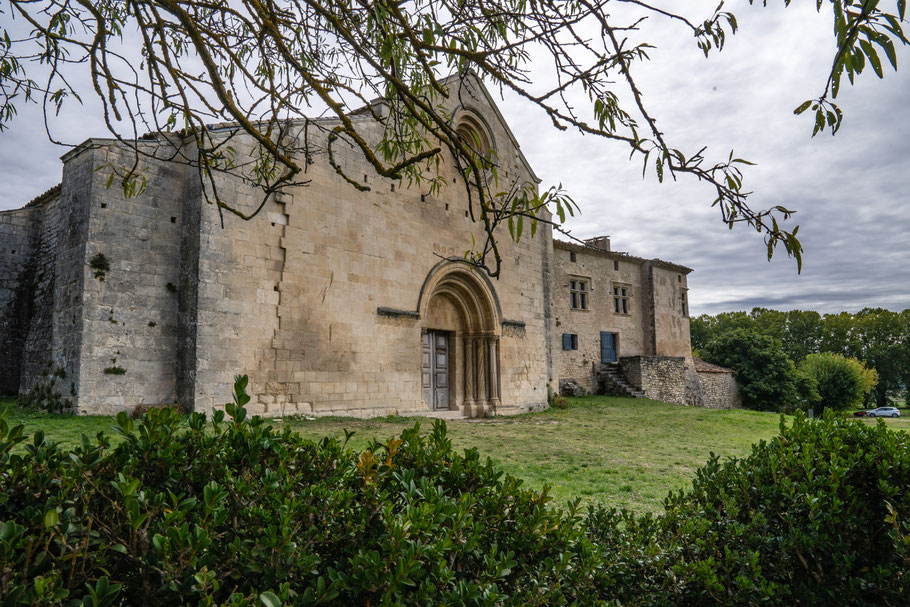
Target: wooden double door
(436, 369)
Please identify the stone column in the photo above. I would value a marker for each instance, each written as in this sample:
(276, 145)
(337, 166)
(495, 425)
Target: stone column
(482, 371)
(492, 350)
(468, 341)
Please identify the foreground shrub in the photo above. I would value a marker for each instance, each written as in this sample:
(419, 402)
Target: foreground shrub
(234, 512)
(227, 512)
(818, 516)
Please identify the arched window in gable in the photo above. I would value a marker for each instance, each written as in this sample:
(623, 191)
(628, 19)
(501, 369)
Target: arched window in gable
(474, 135)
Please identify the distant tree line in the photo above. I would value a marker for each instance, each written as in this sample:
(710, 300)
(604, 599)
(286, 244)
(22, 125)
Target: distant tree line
(878, 338)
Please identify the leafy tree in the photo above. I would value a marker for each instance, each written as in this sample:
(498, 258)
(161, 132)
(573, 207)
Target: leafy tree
(176, 66)
(706, 328)
(798, 331)
(884, 338)
(803, 335)
(839, 334)
(701, 330)
(770, 381)
(878, 338)
(842, 382)
(772, 323)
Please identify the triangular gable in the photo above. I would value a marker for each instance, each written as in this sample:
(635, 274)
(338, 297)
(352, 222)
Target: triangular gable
(473, 80)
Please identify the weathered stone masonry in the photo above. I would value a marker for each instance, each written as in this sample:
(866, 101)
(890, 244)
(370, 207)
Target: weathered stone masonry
(639, 307)
(324, 299)
(334, 301)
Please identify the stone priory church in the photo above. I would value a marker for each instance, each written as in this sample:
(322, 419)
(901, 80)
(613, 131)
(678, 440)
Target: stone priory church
(334, 301)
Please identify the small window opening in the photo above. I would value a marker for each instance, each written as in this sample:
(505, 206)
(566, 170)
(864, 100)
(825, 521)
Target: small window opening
(393, 187)
(423, 198)
(616, 266)
(447, 206)
(465, 213)
(173, 220)
(578, 292)
(103, 205)
(572, 256)
(621, 295)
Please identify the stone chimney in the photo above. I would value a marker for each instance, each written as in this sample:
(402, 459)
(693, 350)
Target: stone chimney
(599, 242)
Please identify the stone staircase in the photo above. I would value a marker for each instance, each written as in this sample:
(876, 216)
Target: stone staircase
(610, 380)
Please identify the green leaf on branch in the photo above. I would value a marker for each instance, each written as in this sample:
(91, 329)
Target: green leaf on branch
(802, 107)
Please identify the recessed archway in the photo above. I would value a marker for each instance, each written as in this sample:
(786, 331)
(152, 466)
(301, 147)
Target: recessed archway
(459, 333)
(473, 131)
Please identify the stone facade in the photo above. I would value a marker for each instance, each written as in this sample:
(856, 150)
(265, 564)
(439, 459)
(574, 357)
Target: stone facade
(629, 334)
(326, 299)
(18, 235)
(334, 301)
(634, 302)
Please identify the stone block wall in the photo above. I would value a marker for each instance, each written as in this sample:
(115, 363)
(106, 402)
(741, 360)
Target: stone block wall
(670, 325)
(50, 301)
(661, 378)
(291, 297)
(19, 231)
(720, 390)
(129, 348)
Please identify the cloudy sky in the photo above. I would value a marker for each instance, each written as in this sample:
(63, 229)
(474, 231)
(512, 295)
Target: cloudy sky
(850, 190)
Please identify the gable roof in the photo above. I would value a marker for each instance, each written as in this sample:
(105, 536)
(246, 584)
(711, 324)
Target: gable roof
(477, 82)
(471, 74)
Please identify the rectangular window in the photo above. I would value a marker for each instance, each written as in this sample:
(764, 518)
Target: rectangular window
(621, 295)
(569, 341)
(578, 292)
(616, 266)
(684, 297)
(572, 256)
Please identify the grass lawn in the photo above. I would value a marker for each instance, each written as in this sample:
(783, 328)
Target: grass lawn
(613, 451)
(65, 429)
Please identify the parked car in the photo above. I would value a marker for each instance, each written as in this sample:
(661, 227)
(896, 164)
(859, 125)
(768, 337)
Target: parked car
(883, 412)
(860, 413)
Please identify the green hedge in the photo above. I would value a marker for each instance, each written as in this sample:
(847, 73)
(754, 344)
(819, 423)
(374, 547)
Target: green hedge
(817, 516)
(230, 511)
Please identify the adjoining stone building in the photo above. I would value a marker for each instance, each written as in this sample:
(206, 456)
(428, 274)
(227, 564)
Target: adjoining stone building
(623, 326)
(334, 301)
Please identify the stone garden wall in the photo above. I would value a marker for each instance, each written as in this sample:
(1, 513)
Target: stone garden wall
(661, 378)
(720, 390)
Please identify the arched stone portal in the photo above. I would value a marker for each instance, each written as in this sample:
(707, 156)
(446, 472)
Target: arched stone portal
(459, 332)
